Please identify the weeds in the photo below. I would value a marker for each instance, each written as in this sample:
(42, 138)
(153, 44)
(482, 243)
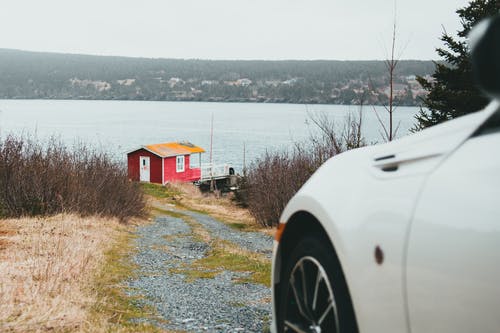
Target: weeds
(189, 197)
(45, 268)
(52, 179)
(223, 255)
(113, 310)
(160, 191)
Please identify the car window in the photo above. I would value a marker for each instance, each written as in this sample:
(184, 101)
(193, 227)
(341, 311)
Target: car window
(492, 125)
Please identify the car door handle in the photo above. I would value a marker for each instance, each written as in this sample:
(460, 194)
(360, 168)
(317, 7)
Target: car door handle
(391, 162)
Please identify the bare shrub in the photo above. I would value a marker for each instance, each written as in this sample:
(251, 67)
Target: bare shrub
(50, 179)
(275, 177)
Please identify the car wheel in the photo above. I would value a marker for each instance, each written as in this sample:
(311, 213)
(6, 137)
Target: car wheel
(314, 296)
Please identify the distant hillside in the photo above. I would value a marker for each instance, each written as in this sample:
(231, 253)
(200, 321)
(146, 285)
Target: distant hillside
(30, 75)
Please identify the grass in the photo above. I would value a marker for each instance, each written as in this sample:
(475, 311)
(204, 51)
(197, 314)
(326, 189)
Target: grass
(185, 196)
(223, 255)
(226, 257)
(239, 226)
(160, 192)
(238, 304)
(191, 273)
(114, 310)
(160, 211)
(65, 273)
(48, 266)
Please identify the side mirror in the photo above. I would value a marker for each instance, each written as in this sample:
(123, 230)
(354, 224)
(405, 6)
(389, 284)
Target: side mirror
(485, 55)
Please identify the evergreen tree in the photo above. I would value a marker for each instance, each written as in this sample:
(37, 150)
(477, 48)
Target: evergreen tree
(452, 92)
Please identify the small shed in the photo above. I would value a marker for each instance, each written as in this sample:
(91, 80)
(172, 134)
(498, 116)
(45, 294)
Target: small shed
(165, 162)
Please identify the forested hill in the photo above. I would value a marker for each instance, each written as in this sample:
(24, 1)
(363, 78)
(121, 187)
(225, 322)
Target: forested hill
(65, 76)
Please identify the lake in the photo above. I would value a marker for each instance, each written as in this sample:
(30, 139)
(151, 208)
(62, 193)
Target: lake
(121, 126)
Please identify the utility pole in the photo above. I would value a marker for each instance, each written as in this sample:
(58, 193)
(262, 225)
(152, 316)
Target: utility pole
(244, 161)
(212, 182)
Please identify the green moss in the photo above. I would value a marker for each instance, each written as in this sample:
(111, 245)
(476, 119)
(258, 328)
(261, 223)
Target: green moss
(120, 311)
(237, 304)
(266, 323)
(237, 226)
(219, 258)
(159, 211)
(159, 191)
(181, 205)
(193, 273)
(240, 226)
(173, 237)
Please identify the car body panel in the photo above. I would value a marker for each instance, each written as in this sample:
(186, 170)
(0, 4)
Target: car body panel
(361, 206)
(349, 211)
(454, 250)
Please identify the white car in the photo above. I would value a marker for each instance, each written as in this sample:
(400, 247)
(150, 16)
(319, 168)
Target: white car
(400, 237)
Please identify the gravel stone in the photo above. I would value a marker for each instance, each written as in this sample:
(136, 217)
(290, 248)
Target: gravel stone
(251, 241)
(204, 305)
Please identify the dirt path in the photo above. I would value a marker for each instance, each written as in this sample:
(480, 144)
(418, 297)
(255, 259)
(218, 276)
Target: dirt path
(198, 274)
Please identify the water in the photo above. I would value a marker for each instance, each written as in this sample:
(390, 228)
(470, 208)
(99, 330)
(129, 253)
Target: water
(121, 126)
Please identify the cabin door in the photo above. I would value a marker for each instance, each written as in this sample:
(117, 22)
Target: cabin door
(144, 169)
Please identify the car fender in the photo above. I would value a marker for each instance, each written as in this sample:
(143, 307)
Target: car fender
(362, 208)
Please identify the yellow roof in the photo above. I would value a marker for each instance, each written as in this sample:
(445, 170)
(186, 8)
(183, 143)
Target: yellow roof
(174, 148)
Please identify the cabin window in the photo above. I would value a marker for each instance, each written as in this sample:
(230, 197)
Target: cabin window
(180, 163)
(194, 161)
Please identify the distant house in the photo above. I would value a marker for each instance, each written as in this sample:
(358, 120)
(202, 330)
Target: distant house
(175, 81)
(165, 162)
(243, 82)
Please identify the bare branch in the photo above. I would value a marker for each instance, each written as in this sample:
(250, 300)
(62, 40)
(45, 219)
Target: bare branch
(381, 124)
(403, 49)
(397, 128)
(382, 135)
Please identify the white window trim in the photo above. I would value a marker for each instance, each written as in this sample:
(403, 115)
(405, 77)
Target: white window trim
(177, 164)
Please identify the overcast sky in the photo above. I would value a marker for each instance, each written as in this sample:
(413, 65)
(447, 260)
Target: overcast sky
(228, 29)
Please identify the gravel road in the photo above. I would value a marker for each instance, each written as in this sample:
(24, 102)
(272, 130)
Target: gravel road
(216, 304)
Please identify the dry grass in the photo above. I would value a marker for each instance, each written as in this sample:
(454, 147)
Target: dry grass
(223, 208)
(113, 309)
(65, 274)
(45, 263)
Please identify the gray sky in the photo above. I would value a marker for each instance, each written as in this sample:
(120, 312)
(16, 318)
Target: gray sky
(228, 29)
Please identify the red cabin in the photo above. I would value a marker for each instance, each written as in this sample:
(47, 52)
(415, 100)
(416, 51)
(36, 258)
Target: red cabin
(165, 162)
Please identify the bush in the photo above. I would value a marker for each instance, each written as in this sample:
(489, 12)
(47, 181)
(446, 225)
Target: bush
(275, 177)
(46, 180)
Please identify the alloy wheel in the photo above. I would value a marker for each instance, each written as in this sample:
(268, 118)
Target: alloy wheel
(310, 303)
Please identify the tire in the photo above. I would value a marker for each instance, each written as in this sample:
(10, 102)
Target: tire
(313, 293)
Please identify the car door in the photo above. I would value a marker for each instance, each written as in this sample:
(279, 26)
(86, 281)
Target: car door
(453, 256)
